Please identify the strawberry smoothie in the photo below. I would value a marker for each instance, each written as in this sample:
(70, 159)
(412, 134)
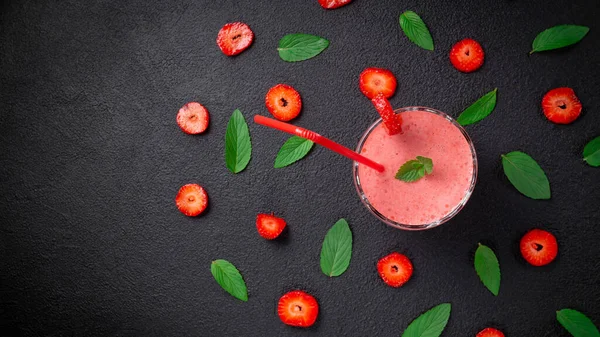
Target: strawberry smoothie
(433, 199)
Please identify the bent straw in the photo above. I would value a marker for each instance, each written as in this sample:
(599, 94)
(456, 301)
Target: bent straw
(317, 138)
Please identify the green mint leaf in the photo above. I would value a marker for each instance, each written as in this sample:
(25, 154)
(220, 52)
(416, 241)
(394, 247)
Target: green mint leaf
(577, 323)
(416, 30)
(293, 150)
(526, 175)
(558, 37)
(488, 269)
(591, 152)
(300, 47)
(414, 170)
(478, 110)
(431, 323)
(427, 163)
(229, 278)
(237, 143)
(337, 249)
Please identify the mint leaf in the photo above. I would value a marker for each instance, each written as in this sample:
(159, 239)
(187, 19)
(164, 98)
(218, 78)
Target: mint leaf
(414, 170)
(229, 278)
(591, 152)
(488, 269)
(294, 149)
(526, 175)
(337, 249)
(237, 143)
(431, 323)
(416, 30)
(558, 37)
(478, 110)
(577, 323)
(300, 47)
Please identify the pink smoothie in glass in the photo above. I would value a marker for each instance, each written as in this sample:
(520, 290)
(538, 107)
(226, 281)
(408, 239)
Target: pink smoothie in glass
(436, 195)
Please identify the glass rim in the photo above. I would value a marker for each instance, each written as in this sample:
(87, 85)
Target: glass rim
(453, 212)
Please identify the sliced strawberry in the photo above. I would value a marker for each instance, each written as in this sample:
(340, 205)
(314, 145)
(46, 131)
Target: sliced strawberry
(539, 247)
(490, 332)
(391, 121)
(331, 4)
(298, 308)
(561, 105)
(234, 38)
(467, 55)
(283, 102)
(191, 199)
(395, 269)
(375, 81)
(269, 226)
(193, 118)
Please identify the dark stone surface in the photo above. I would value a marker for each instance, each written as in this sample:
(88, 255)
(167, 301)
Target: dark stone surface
(91, 159)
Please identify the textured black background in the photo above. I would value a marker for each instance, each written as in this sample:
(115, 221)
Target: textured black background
(91, 159)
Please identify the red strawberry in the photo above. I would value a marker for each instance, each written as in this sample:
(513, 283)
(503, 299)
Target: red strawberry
(298, 308)
(391, 121)
(539, 247)
(331, 4)
(395, 269)
(269, 226)
(283, 102)
(191, 199)
(375, 81)
(490, 332)
(193, 118)
(234, 38)
(561, 106)
(467, 55)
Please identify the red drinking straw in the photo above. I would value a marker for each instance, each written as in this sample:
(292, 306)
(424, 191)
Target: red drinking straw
(317, 138)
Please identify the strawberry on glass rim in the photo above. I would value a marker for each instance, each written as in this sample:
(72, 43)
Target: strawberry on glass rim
(391, 121)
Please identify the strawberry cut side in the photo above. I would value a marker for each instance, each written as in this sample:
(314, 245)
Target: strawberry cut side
(193, 118)
(191, 199)
(395, 269)
(561, 105)
(283, 102)
(490, 332)
(539, 247)
(269, 226)
(392, 122)
(467, 55)
(298, 308)
(234, 38)
(331, 4)
(374, 81)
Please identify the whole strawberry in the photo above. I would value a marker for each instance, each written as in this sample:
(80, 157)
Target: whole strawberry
(539, 247)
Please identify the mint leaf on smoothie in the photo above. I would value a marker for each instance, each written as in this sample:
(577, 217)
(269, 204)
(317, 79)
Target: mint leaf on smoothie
(300, 47)
(578, 324)
(337, 249)
(430, 324)
(229, 278)
(238, 148)
(293, 150)
(415, 169)
(526, 175)
(478, 110)
(488, 268)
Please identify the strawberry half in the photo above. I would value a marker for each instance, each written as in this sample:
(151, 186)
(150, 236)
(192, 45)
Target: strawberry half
(490, 332)
(539, 247)
(298, 308)
(234, 38)
(283, 102)
(193, 118)
(269, 226)
(191, 199)
(391, 121)
(561, 105)
(467, 55)
(395, 269)
(331, 4)
(374, 81)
